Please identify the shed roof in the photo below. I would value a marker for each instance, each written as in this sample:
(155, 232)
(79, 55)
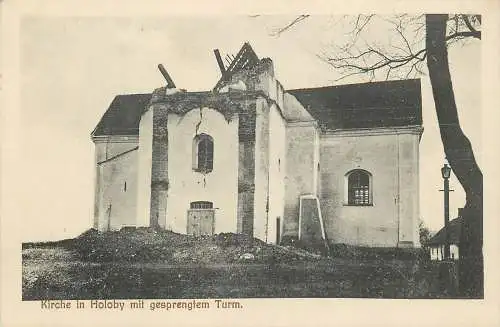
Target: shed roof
(453, 230)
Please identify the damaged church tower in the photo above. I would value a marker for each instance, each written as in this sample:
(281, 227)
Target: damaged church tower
(240, 157)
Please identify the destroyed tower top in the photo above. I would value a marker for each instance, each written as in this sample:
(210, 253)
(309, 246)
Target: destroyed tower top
(244, 67)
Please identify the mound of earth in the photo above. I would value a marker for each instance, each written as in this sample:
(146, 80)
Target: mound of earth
(156, 245)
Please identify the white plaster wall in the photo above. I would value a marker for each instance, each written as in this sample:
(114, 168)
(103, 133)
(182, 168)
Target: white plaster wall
(409, 188)
(277, 170)
(380, 154)
(262, 139)
(268, 83)
(316, 164)
(108, 147)
(437, 252)
(117, 201)
(294, 111)
(145, 154)
(301, 168)
(100, 155)
(454, 252)
(185, 185)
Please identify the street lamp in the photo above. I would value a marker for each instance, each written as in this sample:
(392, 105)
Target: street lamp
(445, 172)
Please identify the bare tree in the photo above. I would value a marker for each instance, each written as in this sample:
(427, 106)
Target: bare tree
(420, 40)
(407, 52)
(459, 153)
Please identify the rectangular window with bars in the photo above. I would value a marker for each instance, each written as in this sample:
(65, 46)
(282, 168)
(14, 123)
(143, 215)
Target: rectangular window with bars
(359, 188)
(201, 205)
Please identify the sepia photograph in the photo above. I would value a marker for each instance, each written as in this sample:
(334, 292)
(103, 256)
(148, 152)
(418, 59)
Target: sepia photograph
(251, 156)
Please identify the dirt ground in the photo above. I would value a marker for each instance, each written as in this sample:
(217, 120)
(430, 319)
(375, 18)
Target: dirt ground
(147, 263)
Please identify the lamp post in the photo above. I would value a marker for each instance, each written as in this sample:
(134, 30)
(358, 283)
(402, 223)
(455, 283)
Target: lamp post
(445, 172)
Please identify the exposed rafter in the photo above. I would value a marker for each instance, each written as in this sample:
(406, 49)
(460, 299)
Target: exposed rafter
(245, 58)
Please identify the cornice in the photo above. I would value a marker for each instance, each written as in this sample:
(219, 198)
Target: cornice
(413, 130)
(115, 138)
(302, 123)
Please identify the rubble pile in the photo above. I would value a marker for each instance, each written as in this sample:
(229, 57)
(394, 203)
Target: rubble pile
(155, 245)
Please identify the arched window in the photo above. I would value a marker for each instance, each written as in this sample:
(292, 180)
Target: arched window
(359, 188)
(203, 153)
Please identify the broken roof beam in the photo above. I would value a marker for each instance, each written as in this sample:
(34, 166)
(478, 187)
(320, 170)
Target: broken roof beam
(220, 62)
(245, 57)
(163, 71)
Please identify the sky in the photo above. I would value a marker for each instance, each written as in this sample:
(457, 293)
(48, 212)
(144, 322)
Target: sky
(71, 69)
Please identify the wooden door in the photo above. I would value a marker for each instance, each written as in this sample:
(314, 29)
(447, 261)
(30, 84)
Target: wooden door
(201, 222)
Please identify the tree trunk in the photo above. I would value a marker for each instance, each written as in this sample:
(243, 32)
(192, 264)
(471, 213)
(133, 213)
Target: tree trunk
(460, 156)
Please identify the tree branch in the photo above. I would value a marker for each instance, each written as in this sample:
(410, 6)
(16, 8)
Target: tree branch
(294, 22)
(468, 23)
(476, 34)
(384, 61)
(358, 56)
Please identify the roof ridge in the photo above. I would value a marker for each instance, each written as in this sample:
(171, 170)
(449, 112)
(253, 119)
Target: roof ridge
(132, 94)
(355, 84)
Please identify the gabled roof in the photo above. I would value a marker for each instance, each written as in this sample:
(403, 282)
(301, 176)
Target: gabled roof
(365, 105)
(453, 231)
(123, 115)
(377, 104)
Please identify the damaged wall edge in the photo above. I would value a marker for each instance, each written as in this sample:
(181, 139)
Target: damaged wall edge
(246, 172)
(159, 168)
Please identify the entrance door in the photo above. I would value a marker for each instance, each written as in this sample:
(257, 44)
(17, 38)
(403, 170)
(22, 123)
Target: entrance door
(201, 218)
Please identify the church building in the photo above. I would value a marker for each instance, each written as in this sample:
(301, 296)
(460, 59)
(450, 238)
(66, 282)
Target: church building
(250, 156)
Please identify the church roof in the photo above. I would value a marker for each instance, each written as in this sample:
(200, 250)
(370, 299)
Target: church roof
(365, 105)
(376, 104)
(123, 115)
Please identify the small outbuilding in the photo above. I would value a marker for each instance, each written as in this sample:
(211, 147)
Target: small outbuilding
(436, 244)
